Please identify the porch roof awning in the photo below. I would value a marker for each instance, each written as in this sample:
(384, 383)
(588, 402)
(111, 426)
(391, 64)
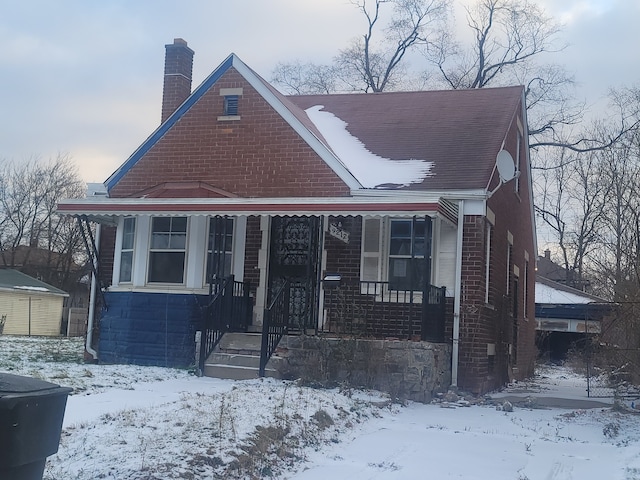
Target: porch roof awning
(103, 209)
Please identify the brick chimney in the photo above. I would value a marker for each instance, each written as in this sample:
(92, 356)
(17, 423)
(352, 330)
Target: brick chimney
(178, 66)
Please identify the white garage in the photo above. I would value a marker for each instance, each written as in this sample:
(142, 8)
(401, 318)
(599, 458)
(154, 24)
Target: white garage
(29, 306)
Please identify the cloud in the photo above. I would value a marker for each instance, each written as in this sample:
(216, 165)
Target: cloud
(85, 77)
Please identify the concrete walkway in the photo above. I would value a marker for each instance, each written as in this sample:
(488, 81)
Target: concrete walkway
(552, 387)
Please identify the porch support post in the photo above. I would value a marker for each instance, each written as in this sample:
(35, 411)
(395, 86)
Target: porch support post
(457, 297)
(263, 267)
(92, 298)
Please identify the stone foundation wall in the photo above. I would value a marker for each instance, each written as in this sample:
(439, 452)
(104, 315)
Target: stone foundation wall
(405, 369)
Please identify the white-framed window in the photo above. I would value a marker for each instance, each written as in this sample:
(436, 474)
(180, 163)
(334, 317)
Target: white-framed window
(167, 250)
(407, 263)
(219, 248)
(230, 103)
(126, 249)
(397, 251)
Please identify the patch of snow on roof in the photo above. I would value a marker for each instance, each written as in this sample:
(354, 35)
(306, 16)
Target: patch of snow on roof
(35, 289)
(547, 294)
(370, 170)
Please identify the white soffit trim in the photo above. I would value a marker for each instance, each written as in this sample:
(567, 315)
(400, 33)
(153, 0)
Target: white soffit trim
(110, 207)
(474, 207)
(452, 195)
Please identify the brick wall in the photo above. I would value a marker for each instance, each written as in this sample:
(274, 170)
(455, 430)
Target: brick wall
(493, 323)
(178, 66)
(259, 155)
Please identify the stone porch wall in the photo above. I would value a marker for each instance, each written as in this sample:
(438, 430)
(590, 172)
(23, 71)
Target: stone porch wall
(405, 369)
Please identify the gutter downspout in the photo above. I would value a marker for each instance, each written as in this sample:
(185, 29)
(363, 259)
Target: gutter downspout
(92, 300)
(458, 295)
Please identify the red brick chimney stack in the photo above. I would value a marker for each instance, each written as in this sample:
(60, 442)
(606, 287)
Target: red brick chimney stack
(178, 66)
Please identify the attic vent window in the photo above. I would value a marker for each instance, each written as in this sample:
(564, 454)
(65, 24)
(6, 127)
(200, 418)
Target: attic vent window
(231, 99)
(231, 105)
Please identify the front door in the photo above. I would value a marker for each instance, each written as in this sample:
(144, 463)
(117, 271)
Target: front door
(294, 256)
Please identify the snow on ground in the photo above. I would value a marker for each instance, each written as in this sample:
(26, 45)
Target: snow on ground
(129, 422)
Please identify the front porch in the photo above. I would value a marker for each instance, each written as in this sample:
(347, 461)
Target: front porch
(365, 314)
(323, 272)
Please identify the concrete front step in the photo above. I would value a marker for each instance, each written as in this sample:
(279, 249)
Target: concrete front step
(237, 357)
(249, 342)
(233, 359)
(236, 372)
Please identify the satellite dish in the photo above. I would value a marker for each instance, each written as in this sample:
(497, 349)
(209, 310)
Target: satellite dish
(506, 166)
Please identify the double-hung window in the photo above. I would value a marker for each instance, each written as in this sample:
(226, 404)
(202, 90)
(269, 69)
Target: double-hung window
(407, 249)
(126, 251)
(168, 250)
(397, 251)
(219, 248)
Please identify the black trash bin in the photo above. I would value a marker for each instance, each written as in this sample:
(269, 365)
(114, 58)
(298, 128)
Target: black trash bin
(31, 414)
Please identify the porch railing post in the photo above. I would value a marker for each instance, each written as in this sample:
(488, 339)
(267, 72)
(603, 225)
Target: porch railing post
(264, 347)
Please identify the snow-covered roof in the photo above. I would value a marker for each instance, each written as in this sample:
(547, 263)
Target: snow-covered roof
(370, 169)
(547, 294)
(434, 140)
(550, 292)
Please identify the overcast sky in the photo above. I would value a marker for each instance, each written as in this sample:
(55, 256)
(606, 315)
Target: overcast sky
(84, 78)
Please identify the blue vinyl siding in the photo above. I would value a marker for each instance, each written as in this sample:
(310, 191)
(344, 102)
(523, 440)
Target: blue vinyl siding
(149, 329)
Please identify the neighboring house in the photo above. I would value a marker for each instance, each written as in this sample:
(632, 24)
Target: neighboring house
(29, 306)
(565, 317)
(550, 270)
(401, 217)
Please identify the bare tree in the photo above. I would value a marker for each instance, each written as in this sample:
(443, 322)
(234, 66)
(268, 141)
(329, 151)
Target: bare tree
(507, 34)
(32, 234)
(573, 202)
(373, 62)
(306, 78)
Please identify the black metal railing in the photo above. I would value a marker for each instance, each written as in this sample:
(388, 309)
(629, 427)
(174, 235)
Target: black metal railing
(378, 310)
(434, 311)
(93, 255)
(229, 309)
(275, 324)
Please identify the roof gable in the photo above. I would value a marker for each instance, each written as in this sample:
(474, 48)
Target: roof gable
(268, 93)
(433, 140)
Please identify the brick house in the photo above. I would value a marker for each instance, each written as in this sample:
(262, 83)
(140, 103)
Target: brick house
(400, 219)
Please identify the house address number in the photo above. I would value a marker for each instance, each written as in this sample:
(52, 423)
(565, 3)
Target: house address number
(336, 230)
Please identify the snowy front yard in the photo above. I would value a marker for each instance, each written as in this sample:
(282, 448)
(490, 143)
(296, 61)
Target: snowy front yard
(126, 422)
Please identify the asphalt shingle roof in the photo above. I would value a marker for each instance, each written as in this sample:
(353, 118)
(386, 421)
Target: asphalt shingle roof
(461, 131)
